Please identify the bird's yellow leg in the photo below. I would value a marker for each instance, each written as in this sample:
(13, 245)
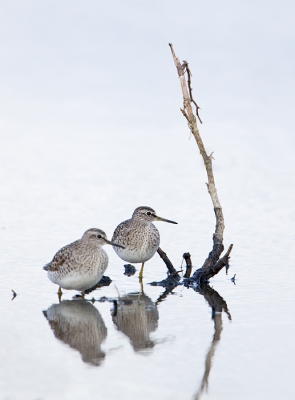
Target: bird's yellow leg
(59, 293)
(141, 273)
(83, 294)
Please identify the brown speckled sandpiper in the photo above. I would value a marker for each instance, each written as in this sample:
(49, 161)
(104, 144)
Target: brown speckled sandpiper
(81, 264)
(139, 236)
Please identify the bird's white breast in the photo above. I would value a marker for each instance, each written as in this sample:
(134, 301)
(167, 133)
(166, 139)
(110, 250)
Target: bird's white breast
(81, 276)
(140, 244)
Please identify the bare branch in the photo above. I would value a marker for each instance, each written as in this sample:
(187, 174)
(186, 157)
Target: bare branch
(211, 264)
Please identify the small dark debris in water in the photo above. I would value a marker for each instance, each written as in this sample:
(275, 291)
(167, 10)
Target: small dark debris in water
(78, 296)
(14, 294)
(129, 270)
(233, 279)
(105, 281)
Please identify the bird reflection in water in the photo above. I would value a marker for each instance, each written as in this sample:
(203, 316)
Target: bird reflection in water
(79, 324)
(136, 316)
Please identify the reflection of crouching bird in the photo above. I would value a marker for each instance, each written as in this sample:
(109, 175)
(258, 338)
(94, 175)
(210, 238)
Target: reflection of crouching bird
(79, 324)
(136, 316)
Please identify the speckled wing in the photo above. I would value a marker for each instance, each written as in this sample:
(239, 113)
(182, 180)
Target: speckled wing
(64, 257)
(121, 231)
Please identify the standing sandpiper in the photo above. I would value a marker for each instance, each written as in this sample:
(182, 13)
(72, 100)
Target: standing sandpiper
(81, 264)
(138, 236)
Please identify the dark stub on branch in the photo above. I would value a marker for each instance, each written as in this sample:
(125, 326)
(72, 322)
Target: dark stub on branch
(187, 258)
(173, 277)
(105, 281)
(172, 271)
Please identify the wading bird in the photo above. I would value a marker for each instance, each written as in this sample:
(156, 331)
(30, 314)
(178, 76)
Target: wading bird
(138, 236)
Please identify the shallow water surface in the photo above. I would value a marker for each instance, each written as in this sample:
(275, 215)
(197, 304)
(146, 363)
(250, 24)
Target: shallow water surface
(233, 341)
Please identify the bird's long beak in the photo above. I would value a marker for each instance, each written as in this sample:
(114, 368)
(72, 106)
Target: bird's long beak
(114, 244)
(165, 220)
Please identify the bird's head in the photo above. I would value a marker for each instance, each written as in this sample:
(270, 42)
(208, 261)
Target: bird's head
(148, 214)
(99, 236)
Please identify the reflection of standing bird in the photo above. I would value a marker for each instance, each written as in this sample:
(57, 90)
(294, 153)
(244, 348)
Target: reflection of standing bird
(79, 324)
(139, 236)
(81, 264)
(137, 316)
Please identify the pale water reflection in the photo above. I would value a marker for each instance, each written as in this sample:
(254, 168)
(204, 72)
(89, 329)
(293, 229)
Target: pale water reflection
(79, 324)
(218, 305)
(136, 316)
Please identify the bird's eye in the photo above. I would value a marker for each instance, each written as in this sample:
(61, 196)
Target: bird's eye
(148, 213)
(99, 236)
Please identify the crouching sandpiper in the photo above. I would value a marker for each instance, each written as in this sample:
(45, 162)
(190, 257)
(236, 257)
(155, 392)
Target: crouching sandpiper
(81, 264)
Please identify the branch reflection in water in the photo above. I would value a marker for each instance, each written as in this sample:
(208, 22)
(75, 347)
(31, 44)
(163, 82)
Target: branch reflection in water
(136, 316)
(79, 324)
(218, 304)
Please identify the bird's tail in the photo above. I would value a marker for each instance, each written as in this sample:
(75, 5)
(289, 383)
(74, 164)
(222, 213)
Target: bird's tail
(46, 267)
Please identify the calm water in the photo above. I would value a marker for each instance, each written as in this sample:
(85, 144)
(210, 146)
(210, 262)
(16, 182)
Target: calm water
(56, 185)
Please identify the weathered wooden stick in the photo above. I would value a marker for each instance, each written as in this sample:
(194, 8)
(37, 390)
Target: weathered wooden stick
(192, 123)
(209, 267)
